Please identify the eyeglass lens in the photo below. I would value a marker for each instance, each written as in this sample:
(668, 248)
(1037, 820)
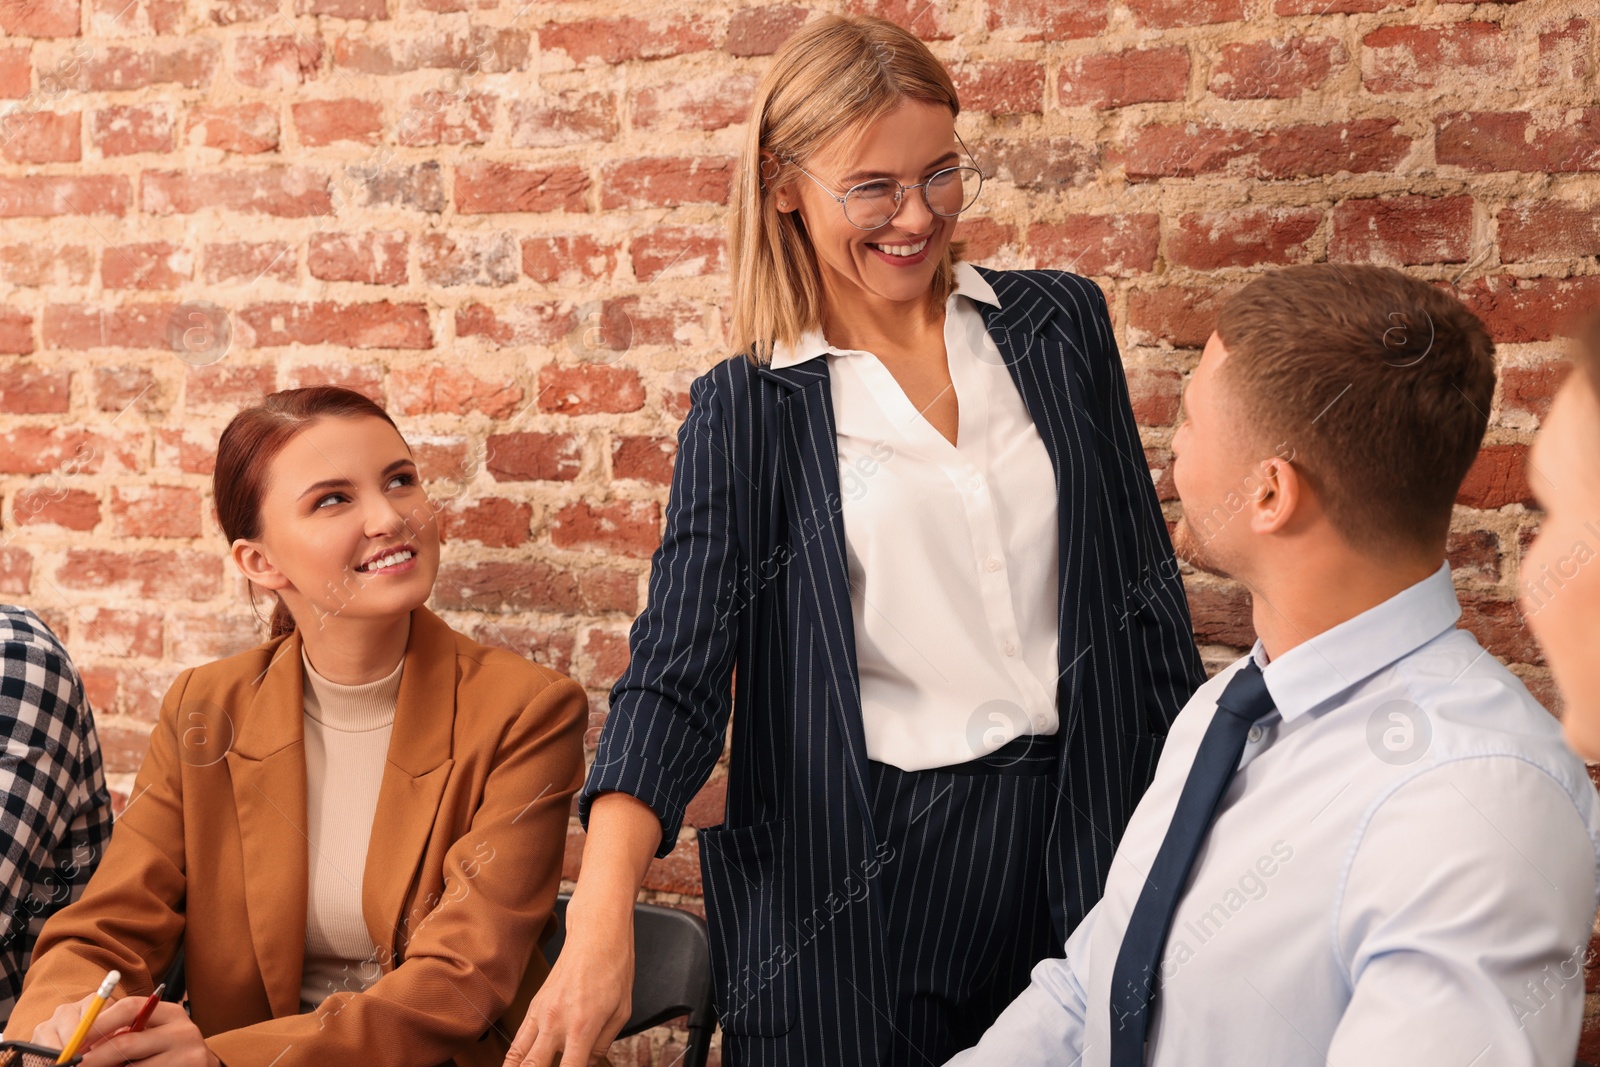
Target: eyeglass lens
(947, 193)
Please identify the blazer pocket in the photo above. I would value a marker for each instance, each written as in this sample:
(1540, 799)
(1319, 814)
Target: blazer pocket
(748, 908)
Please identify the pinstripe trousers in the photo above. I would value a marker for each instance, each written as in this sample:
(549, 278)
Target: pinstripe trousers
(966, 909)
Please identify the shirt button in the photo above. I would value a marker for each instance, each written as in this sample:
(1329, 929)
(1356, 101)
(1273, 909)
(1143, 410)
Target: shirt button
(1039, 721)
(992, 563)
(1255, 734)
(974, 483)
(1011, 649)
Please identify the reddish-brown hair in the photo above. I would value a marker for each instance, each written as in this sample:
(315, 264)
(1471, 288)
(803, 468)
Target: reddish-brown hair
(1381, 383)
(253, 440)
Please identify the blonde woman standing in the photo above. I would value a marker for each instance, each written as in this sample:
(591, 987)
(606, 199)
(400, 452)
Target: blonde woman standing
(913, 516)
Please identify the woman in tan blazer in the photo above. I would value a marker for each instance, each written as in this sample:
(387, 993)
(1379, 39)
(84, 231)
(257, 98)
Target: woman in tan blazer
(217, 850)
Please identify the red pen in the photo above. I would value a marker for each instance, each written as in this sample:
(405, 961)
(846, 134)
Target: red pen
(140, 1020)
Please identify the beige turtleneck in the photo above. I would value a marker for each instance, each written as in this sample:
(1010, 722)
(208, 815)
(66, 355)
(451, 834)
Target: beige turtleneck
(347, 730)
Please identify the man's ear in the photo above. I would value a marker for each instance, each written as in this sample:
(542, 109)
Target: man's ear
(252, 561)
(1281, 496)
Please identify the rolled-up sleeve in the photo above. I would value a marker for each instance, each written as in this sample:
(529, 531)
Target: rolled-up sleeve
(669, 710)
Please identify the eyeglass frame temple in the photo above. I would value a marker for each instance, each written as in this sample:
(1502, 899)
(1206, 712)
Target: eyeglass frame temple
(959, 140)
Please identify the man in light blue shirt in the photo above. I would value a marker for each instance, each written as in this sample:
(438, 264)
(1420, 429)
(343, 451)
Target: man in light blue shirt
(1384, 853)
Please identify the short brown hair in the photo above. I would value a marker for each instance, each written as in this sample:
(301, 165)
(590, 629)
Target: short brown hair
(1381, 383)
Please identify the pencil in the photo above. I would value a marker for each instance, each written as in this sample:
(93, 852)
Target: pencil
(99, 1001)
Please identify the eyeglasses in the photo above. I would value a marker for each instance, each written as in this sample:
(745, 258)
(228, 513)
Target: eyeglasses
(871, 204)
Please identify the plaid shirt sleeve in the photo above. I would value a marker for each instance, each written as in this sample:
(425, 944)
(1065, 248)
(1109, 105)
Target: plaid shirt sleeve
(56, 815)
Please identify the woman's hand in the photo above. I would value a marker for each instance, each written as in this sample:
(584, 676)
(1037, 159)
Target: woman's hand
(169, 1039)
(588, 997)
(57, 1030)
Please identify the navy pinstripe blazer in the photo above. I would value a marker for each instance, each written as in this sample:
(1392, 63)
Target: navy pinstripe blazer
(751, 579)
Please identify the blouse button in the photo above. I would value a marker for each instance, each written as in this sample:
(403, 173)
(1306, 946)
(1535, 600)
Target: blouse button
(992, 563)
(974, 483)
(1011, 649)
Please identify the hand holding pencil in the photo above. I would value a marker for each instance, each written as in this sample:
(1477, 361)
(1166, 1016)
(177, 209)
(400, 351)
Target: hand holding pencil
(169, 1038)
(141, 1020)
(80, 1033)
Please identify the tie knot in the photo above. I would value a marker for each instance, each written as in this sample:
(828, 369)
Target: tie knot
(1246, 695)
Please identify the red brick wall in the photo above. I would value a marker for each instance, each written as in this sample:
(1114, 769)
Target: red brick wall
(505, 222)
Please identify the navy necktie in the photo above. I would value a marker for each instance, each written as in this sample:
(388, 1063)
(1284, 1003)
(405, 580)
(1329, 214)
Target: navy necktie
(1137, 971)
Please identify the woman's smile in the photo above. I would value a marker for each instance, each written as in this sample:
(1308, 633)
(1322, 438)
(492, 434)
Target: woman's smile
(902, 253)
(396, 560)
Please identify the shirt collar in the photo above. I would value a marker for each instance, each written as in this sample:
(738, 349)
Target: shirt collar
(1337, 659)
(969, 283)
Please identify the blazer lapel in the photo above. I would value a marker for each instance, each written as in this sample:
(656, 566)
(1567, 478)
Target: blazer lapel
(413, 783)
(267, 766)
(808, 468)
(1041, 363)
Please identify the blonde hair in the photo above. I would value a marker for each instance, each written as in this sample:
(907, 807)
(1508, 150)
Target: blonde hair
(835, 76)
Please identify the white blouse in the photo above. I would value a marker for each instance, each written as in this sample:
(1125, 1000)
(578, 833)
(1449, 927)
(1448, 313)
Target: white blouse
(952, 550)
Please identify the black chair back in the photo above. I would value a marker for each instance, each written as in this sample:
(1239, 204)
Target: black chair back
(177, 985)
(672, 973)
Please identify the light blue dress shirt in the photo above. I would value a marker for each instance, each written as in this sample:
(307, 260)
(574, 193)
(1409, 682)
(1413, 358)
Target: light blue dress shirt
(1403, 871)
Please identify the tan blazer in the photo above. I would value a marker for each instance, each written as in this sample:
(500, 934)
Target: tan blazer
(485, 756)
